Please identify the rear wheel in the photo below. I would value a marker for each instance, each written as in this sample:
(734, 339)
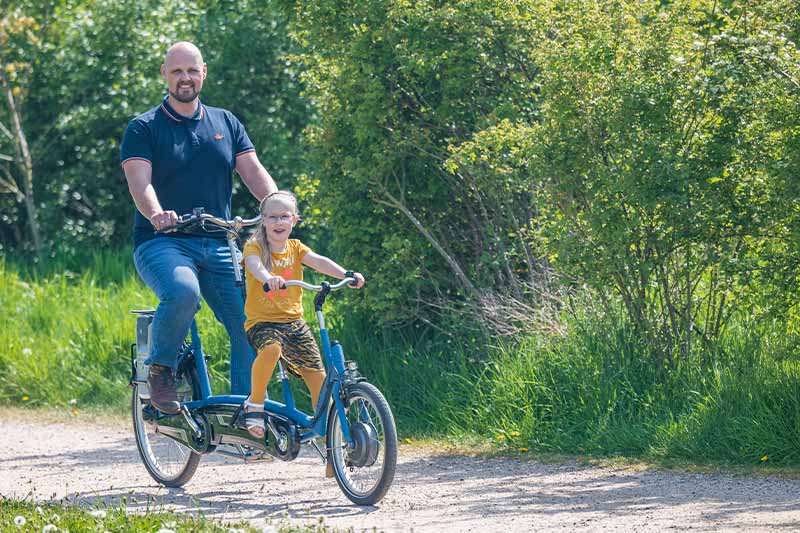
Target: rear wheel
(365, 470)
(169, 462)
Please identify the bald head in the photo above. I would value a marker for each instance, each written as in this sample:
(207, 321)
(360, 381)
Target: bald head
(181, 50)
(184, 72)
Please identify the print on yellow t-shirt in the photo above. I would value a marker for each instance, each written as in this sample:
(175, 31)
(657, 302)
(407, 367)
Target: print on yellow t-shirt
(285, 305)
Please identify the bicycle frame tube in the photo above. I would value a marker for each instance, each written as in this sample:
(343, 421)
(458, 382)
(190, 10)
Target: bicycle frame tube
(334, 356)
(200, 362)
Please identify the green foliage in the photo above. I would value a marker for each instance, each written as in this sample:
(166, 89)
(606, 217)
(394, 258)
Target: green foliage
(396, 84)
(657, 162)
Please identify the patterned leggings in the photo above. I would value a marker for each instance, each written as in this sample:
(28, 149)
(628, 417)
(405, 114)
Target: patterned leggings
(295, 345)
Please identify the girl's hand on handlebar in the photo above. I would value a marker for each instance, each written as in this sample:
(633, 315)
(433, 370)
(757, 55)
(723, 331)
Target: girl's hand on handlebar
(164, 219)
(359, 281)
(274, 283)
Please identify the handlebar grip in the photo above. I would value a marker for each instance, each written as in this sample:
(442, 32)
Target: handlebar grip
(351, 274)
(266, 287)
(182, 222)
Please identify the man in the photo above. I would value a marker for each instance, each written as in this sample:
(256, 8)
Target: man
(177, 156)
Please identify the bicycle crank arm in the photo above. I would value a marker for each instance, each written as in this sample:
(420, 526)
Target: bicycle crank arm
(184, 428)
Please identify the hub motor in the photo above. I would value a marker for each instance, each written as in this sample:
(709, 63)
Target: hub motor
(365, 452)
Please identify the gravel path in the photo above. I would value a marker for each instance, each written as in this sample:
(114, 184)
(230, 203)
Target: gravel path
(90, 461)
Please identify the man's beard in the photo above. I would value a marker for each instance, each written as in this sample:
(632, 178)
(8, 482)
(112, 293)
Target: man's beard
(185, 97)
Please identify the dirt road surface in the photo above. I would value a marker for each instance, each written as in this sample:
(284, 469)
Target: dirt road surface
(91, 461)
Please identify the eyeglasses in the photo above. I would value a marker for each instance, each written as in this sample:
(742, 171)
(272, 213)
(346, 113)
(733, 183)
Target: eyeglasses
(274, 219)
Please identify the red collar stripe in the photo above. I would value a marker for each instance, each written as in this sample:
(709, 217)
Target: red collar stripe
(136, 159)
(170, 115)
(176, 119)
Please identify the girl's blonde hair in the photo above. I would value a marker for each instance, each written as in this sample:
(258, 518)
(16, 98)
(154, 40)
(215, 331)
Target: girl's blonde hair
(259, 236)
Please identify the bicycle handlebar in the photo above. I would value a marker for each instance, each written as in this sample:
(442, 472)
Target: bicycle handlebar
(201, 219)
(315, 288)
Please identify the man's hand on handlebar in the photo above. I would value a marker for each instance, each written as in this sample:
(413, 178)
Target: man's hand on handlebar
(164, 219)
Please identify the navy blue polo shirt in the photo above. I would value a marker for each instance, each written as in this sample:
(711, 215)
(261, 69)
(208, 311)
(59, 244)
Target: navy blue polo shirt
(192, 159)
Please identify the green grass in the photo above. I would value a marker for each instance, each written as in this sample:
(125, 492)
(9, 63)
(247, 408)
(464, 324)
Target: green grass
(24, 516)
(594, 391)
(65, 337)
(598, 392)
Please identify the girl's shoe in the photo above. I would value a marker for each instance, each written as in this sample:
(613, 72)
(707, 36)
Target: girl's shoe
(254, 424)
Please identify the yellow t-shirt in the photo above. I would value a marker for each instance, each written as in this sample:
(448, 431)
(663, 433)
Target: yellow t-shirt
(285, 305)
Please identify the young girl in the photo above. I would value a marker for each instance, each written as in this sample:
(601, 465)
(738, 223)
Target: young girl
(275, 325)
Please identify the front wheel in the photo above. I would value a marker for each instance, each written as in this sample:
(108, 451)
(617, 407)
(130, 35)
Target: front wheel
(365, 470)
(169, 462)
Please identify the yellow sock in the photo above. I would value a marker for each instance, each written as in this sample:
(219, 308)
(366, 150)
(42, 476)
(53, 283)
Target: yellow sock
(263, 367)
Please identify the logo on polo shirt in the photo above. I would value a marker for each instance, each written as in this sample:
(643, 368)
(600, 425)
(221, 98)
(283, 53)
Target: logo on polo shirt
(219, 136)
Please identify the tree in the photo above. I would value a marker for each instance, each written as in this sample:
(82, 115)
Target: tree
(397, 84)
(18, 42)
(654, 159)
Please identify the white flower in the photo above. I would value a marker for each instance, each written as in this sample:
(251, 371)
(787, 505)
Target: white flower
(39, 510)
(56, 518)
(73, 401)
(98, 513)
(19, 520)
(49, 527)
(165, 530)
(26, 351)
(269, 529)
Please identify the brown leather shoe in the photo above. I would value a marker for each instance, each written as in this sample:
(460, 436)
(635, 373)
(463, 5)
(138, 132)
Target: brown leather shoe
(163, 395)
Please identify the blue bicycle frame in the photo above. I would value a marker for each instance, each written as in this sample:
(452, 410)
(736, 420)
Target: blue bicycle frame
(314, 426)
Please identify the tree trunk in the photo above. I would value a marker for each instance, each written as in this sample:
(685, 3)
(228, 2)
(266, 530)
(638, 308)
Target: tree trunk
(25, 163)
(394, 203)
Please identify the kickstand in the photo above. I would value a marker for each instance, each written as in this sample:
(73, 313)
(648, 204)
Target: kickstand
(314, 445)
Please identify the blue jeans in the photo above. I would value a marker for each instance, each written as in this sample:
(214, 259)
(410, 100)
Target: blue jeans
(179, 270)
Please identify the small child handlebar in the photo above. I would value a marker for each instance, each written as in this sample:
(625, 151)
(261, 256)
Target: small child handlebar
(316, 288)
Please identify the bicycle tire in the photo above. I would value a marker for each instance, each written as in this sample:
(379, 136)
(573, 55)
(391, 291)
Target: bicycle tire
(366, 410)
(157, 451)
